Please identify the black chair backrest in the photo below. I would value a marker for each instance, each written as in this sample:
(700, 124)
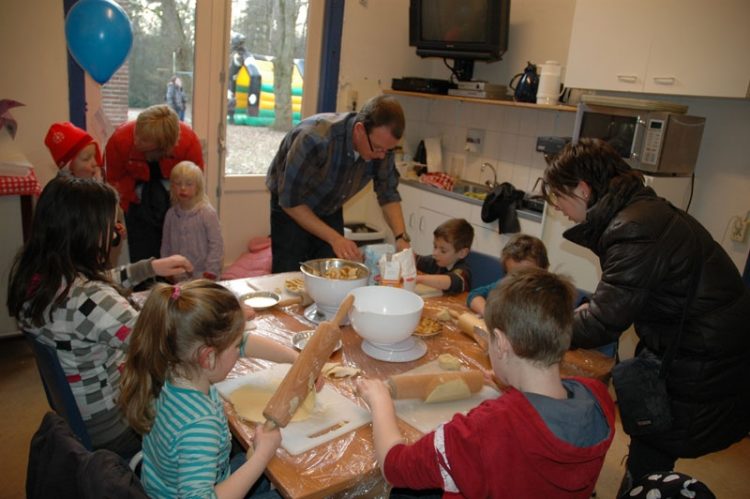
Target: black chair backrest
(57, 388)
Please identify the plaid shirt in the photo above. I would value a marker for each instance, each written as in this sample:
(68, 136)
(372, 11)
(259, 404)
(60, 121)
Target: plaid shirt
(316, 165)
(91, 332)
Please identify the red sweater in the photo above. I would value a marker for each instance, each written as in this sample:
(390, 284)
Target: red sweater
(126, 165)
(503, 448)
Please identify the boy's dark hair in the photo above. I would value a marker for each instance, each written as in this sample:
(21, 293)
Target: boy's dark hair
(457, 231)
(383, 110)
(534, 308)
(524, 247)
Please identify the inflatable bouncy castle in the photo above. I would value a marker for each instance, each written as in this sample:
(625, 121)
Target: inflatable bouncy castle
(254, 97)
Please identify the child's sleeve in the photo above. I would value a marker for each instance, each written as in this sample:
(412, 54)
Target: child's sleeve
(197, 451)
(449, 459)
(215, 255)
(426, 264)
(483, 291)
(460, 278)
(166, 238)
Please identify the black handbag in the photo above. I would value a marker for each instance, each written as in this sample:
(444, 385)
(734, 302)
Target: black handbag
(641, 382)
(642, 395)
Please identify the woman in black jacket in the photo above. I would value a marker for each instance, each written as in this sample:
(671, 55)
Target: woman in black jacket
(652, 256)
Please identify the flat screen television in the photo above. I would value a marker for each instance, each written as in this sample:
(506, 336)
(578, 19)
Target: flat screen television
(462, 30)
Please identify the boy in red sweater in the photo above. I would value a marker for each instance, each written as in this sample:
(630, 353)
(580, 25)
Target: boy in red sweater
(544, 437)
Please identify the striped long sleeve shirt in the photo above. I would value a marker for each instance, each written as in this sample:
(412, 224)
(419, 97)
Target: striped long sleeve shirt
(186, 453)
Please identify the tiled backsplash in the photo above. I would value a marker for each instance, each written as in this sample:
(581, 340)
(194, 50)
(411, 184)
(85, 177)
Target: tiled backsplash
(509, 136)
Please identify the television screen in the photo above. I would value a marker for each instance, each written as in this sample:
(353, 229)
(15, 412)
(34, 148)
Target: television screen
(462, 30)
(455, 21)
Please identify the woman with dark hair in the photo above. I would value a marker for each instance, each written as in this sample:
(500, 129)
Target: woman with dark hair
(661, 272)
(62, 293)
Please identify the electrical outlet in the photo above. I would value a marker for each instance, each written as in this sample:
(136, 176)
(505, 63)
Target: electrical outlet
(738, 229)
(474, 139)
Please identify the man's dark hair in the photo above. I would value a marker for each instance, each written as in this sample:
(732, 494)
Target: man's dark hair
(383, 110)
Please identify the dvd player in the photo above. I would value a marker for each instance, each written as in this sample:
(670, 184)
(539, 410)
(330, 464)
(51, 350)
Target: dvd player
(423, 85)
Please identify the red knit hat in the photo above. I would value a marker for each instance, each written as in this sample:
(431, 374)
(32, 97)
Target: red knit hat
(65, 141)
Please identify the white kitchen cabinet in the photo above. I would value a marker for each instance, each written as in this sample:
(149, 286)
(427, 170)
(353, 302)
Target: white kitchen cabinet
(577, 262)
(681, 47)
(411, 201)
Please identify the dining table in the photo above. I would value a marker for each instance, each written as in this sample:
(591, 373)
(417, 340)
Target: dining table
(346, 466)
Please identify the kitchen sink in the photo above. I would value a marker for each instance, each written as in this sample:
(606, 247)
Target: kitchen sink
(471, 189)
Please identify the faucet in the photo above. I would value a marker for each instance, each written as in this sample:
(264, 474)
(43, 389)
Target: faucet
(489, 184)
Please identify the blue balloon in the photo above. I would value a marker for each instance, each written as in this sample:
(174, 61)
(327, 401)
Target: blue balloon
(99, 37)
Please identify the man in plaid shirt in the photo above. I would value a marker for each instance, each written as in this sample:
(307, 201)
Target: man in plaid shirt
(322, 163)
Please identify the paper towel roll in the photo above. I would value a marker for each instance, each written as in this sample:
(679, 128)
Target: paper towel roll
(434, 154)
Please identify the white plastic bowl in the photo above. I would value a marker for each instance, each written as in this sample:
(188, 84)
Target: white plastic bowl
(329, 293)
(385, 315)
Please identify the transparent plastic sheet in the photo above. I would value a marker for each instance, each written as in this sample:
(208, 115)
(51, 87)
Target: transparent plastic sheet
(346, 467)
(343, 467)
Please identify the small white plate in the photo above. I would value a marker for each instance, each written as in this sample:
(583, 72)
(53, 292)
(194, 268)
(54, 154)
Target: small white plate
(260, 300)
(299, 340)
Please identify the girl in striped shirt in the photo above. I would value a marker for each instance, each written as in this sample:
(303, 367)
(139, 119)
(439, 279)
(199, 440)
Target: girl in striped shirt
(187, 338)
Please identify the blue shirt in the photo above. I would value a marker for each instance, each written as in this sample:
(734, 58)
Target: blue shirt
(316, 165)
(186, 453)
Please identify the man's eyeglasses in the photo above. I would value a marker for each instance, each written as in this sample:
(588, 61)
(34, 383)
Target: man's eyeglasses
(377, 150)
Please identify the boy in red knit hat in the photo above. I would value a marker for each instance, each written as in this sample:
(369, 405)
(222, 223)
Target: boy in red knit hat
(74, 151)
(544, 437)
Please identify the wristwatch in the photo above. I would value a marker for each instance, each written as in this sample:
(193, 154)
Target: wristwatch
(403, 236)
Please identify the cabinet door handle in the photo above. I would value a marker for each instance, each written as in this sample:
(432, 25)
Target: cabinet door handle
(665, 80)
(411, 220)
(628, 78)
(421, 219)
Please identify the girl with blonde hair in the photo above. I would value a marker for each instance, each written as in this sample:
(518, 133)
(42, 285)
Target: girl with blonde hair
(191, 225)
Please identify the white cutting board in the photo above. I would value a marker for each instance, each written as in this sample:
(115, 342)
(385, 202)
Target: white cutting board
(426, 417)
(332, 410)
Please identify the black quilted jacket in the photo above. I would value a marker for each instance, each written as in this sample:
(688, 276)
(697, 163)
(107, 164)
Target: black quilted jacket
(649, 253)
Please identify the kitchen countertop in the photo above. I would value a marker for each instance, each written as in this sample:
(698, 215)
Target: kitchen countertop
(532, 215)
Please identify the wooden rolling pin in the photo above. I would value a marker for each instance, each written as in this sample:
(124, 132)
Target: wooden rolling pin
(301, 299)
(420, 386)
(300, 380)
(472, 326)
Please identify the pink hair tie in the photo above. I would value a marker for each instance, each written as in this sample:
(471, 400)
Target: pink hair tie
(176, 292)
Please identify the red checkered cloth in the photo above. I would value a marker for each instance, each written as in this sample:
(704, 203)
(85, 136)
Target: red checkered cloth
(439, 180)
(22, 186)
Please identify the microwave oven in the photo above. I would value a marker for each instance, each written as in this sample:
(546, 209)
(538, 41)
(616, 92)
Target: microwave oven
(653, 137)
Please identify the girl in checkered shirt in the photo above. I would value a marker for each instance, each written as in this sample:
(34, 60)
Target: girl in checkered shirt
(64, 295)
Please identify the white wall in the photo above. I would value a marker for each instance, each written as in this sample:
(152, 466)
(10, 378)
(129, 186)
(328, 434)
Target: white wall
(34, 72)
(540, 30)
(375, 49)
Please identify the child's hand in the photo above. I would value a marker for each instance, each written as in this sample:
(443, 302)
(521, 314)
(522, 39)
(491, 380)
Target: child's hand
(172, 266)
(265, 442)
(374, 392)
